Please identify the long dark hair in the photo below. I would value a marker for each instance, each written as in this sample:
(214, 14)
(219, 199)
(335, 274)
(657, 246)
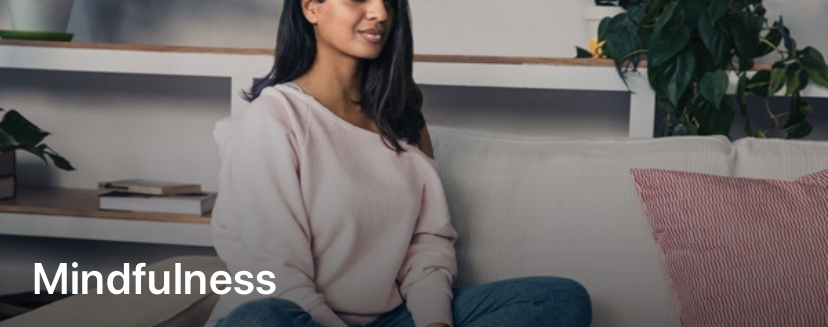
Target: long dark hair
(389, 95)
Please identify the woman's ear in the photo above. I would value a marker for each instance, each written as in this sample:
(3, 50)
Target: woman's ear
(309, 8)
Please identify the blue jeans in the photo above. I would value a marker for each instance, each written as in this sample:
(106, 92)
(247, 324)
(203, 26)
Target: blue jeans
(519, 302)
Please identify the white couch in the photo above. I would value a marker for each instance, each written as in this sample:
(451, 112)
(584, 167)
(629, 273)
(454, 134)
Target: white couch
(526, 206)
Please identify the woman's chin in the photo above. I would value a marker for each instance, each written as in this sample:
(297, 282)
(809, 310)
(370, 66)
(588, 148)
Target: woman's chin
(368, 53)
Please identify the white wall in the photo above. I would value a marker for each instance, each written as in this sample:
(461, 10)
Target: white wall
(503, 28)
(117, 126)
(532, 28)
(477, 27)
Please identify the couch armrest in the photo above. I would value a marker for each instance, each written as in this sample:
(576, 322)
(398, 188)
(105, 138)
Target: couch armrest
(146, 309)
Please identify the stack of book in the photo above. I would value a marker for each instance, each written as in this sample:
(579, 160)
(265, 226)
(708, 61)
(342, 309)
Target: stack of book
(155, 196)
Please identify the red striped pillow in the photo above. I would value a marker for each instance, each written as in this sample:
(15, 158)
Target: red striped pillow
(739, 251)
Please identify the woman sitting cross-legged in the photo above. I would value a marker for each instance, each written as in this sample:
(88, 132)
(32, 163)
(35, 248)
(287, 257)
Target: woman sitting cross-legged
(329, 184)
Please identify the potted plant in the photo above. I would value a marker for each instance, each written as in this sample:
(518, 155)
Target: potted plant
(18, 133)
(594, 15)
(39, 20)
(693, 47)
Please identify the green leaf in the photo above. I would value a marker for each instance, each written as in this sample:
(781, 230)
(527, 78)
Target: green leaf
(745, 63)
(745, 31)
(60, 162)
(774, 37)
(602, 28)
(622, 39)
(814, 64)
(39, 151)
(797, 125)
(740, 95)
(714, 85)
(684, 129)
(717, 9)
(777, 78)
(582, 53)
(7, 142)
(714, 119)
(716, 38)
(704, 61)
(669, 38)
(799, 130)
(759, 9)
(44, 150)
(655, 76)
(678, 73)
(691, 11)
(638, 12)
(790, 43)
(758, 84)
(21, 129)
(666, 14)
(760, 134)
(793, 75)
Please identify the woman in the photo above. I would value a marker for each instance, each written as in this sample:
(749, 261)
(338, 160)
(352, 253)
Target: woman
(328, 184)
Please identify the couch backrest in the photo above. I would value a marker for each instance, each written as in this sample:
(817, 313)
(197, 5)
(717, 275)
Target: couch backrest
(779, 159)
(538, 206)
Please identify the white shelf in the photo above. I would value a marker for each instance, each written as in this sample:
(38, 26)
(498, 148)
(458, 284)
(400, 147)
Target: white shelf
(810, 91)
(104, 229)
(241, 66)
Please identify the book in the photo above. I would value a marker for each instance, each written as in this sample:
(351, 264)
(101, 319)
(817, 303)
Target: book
(192, 204)
(146, 186)
(8, 163)
(7, 186)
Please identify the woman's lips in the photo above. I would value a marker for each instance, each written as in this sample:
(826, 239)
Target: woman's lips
(372, 35)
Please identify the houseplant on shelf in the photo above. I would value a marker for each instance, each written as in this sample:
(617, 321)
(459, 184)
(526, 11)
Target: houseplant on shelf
(594, 15)
(692, 47)
(39, 20)
(18, 133)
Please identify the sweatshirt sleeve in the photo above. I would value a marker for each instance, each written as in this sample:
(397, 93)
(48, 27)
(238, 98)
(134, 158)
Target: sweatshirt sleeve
(259, 220)
(430, 266)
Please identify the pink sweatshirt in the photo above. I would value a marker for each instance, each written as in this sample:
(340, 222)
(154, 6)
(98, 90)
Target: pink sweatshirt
(349, 228)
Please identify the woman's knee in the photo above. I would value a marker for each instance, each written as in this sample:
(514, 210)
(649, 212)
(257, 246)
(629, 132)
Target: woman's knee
(267, 312)
(557, 294)
(554, 288)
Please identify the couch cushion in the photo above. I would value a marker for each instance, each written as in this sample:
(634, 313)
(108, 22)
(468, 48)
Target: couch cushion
(106, 310)
(535, 206)
(779, 159)
(740, 251)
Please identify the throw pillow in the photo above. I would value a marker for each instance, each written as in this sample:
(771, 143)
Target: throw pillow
(740, 251)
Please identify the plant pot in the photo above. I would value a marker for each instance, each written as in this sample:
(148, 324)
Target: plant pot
(8, 170)
(593, 16)
(40, 15)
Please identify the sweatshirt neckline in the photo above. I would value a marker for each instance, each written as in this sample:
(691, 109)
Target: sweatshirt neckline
(338, 120)
(328, 113)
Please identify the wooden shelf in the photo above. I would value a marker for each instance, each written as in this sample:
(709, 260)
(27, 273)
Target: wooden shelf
(435, 58)
(243, 66)
(81, 203)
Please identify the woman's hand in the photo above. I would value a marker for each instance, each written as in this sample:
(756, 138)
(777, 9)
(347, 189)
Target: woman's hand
(437, 324)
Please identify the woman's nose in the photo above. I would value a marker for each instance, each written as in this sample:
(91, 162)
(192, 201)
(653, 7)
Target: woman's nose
(377, 10)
